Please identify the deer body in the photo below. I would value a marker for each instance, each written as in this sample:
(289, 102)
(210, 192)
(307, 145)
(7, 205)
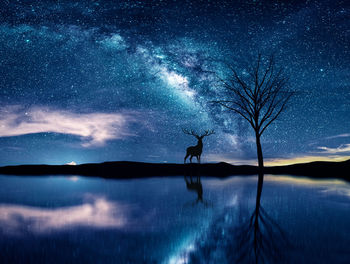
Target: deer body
(196, 151)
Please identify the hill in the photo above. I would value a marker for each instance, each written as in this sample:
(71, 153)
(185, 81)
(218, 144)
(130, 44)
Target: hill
(128, 170)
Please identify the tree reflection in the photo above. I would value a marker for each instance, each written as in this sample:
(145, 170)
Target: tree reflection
(260, 238)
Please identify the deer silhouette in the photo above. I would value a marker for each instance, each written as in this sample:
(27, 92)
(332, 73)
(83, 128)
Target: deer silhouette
(196, 151)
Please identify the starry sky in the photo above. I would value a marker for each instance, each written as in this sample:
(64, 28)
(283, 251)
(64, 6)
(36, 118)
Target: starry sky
(93, 81)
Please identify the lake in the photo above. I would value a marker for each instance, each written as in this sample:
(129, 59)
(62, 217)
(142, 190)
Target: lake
(248, 219)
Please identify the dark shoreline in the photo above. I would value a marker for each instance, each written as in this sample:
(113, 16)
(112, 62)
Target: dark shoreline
(130, 170)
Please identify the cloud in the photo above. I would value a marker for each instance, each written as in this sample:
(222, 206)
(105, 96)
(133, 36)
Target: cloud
(339, 136)
(100, 213)
(341, 149)
(94, 128)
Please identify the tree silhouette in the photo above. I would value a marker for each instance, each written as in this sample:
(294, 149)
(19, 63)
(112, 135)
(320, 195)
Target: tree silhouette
(259, 95)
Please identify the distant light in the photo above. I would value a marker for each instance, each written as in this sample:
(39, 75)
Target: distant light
(71, 163)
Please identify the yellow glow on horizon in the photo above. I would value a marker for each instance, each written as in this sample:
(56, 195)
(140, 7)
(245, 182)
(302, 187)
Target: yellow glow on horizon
(304, 159)
(275, 161)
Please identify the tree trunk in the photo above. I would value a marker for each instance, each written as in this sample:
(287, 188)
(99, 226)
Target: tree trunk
(259, 152)
(257, 214)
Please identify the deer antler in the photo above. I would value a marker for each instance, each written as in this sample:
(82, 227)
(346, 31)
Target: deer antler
(208, 133)
(191, 133)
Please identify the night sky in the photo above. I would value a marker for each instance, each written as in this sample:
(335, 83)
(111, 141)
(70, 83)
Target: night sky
(93, 81)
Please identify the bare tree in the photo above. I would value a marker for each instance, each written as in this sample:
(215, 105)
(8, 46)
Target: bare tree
(259, 95)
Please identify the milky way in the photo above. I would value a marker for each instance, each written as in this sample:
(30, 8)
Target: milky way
(91, 81)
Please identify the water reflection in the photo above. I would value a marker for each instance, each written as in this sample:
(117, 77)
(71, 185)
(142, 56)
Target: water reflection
(144, 220)
(194, 184)
(260, 238)
(97, 213)
(242, 232)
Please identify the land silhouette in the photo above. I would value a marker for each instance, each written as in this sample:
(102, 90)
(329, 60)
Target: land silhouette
(129, 170)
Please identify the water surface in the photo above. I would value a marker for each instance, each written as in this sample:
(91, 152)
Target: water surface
(174, 220)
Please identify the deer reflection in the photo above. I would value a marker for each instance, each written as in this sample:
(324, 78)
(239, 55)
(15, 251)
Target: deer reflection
(195, 185)
(260, 238)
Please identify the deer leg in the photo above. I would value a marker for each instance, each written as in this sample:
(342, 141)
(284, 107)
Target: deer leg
(186, 157)
(191, 158)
